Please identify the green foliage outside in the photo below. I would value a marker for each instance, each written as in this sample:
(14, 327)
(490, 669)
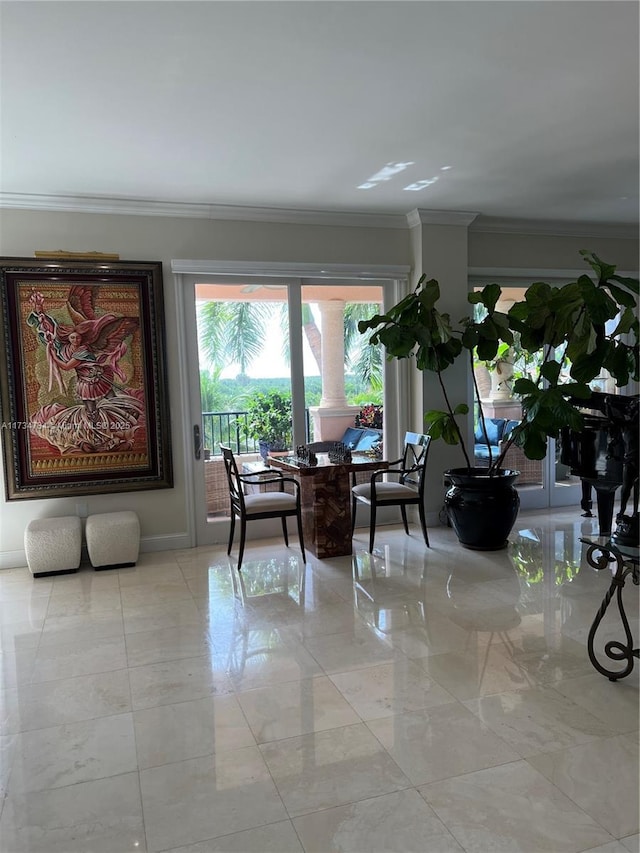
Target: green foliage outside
(270, 418)
(233, 395)
(235, 333)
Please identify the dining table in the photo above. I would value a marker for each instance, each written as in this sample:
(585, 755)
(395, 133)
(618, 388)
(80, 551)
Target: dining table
(325, 495)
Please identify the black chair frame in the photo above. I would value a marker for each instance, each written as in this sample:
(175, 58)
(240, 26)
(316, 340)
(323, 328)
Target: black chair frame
(411, 472)
(239, 510)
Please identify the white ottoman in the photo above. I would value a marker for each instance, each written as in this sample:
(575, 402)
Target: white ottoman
(53, 545)
(113, 539)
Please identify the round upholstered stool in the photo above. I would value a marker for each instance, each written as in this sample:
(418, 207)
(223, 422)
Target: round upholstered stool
(113, 539)
(53, 545)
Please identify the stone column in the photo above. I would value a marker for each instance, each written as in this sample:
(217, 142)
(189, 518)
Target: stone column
(333, 415)
(439, 245)
(332, 324)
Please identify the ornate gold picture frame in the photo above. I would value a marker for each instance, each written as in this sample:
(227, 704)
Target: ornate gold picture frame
(82, 366)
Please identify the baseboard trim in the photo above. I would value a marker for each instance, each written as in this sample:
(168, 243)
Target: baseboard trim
(170, 542)
(12, 560)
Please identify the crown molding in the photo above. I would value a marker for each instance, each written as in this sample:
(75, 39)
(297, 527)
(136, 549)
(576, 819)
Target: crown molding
(556, 228)
(150, 207)
(101, 204)
(421, 216)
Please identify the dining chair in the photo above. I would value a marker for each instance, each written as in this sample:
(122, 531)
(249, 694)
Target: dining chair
(277, 504)
(401, 484)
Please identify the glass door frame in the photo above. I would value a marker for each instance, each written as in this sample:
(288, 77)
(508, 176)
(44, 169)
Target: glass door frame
(187, 273)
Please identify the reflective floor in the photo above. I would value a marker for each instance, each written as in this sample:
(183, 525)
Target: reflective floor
(414, 700)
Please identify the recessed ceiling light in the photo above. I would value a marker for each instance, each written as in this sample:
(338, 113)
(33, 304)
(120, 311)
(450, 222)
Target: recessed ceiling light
(421, 185)
(444, 168)
(386, 173)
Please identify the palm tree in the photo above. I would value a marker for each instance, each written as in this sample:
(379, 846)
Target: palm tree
(360, 356)
(234, 332)
(312, 334)
(210, 394)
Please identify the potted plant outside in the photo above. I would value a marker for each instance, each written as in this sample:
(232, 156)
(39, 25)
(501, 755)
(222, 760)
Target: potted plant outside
(269, 421)
(575, 331)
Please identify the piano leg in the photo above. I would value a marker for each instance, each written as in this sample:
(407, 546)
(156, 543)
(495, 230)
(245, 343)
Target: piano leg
(605, 495)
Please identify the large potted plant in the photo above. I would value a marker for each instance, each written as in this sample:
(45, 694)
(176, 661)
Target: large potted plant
(269, 421)
(575, 331)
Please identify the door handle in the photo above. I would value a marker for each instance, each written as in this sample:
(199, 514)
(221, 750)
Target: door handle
(197, 442)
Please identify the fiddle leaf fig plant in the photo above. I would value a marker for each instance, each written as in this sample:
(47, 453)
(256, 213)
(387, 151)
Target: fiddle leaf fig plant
(576, 330)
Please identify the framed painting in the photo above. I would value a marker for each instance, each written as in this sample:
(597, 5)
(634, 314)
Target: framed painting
(84, 398)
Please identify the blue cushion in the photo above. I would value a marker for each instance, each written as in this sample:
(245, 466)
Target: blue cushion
(351, 437)
(481, 451)
(495, 429)
(369, 439)
(509, 427)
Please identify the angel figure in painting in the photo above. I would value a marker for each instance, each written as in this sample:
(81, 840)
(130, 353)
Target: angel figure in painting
(91, 348)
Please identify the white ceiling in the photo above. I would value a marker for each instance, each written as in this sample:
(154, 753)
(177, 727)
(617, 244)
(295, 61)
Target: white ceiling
(532, 105)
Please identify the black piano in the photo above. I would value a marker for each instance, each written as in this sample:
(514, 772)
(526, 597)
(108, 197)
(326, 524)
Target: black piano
(599, 454)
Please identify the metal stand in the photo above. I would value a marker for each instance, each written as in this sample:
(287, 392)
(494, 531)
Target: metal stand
(601, 555)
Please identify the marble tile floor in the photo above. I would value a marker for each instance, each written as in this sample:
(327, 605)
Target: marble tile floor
(433, 700)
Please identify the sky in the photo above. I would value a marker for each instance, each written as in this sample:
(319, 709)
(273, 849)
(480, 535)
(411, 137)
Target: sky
(271, 364)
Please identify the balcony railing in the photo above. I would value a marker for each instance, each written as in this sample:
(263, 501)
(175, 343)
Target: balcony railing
(229, 428)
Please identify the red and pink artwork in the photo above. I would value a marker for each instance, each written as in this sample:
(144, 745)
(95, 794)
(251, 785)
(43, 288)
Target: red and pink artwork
(85, 407)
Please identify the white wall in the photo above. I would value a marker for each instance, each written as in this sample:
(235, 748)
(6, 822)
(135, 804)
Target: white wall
(537, 251)
(162, 512)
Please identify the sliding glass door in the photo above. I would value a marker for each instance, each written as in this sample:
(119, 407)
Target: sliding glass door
(281, 341)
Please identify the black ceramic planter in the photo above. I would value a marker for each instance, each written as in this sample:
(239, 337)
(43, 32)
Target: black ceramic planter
(482, 508)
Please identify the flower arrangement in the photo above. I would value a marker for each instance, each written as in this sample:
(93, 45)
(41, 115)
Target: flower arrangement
(370, 417)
